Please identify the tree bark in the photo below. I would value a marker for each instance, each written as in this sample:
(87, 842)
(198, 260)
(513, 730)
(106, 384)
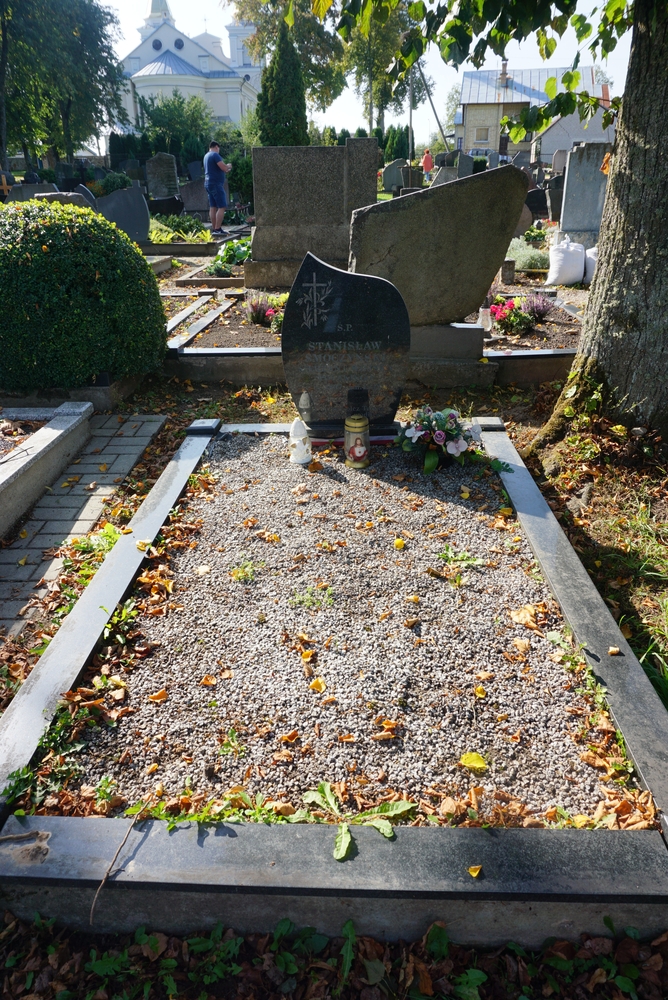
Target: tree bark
(624, 341)
(4, 56)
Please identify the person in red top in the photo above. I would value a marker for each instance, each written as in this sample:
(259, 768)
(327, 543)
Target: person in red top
(427, 164)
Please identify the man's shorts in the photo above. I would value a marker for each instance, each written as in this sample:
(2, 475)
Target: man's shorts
(216, 195)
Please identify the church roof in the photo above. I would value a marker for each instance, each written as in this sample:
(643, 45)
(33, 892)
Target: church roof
(169, 64)
(160, 7)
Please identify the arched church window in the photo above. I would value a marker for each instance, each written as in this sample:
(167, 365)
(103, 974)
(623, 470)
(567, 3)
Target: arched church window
(157, 44)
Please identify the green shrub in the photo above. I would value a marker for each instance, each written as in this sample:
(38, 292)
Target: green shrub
(78, 299)
(240, 177)
(526, 257)
(112, 182)
(479, 164)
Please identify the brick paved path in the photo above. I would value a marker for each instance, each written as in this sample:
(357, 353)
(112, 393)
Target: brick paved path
(66, 512)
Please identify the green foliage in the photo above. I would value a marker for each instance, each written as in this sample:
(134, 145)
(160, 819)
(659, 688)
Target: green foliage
(171, 121)
(281, 108)
(240, 177)
(235, 251)
(343, 135)
(245, 571)
(112, 182)
(313, 598)
(188, 224)
(78, 299)
(527, 258)
(479, 164)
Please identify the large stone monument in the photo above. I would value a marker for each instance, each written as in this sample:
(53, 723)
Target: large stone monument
(441, 247)
(344, 333)
(392, 174)
(25, 192)
(584, 194)
(128, 209)
(304, 197)
(162, 176)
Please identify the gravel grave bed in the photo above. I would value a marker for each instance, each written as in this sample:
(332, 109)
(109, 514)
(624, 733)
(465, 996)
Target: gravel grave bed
(233, 330)
(348, 657)
(14, 433)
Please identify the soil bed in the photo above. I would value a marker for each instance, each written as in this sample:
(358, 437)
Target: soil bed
(560, 329)
(415, 658)
(234, 330)
(14, 433)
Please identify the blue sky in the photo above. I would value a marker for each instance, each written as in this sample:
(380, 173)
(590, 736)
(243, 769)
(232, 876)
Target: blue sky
(193, 16)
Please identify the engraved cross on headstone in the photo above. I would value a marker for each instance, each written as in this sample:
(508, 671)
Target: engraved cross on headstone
(314, 299)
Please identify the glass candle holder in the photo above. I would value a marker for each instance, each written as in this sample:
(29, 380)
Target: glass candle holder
(357, 443)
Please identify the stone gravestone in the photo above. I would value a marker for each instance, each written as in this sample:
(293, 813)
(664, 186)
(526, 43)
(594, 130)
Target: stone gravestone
(464, 165)
(128, 209)
(392, 174)
(526, 220)
(24, 192)
(99, 173)
(559, 158)
(444, 175)
(493, 161)
(133, 169)
(344, 332)
(584, 194)
(522, 159)
(465, 227)
(195, 170)
(64, 198)
(87, 193)
(162, 176)
(194, 196)
(554, 192)
(412, 177)
(304, 197)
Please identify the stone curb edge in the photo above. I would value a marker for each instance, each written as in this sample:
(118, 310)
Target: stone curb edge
(635, 705)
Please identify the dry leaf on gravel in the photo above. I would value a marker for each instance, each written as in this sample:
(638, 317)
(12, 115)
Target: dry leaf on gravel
(347, 738)
(480, 691)
(208, 681)
(159, 696)
(526, 616)
(318, 685)
(524, 645)
(289, 737)
(473, 761)
(474, 870)
(411, 622)
(227, 675)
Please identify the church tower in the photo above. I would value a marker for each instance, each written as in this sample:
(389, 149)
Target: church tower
(159, 13)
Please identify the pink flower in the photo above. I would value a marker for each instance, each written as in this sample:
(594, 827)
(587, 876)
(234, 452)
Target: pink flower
(439, 437)
(457, 446)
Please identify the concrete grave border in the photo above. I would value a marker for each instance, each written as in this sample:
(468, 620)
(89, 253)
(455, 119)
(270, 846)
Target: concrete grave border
(29, 469)
(534, 882)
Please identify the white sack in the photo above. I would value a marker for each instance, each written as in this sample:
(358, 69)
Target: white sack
(567, 263)
(591, 260)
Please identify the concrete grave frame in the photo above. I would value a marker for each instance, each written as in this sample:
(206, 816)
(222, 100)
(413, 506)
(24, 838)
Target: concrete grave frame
(31, 467)
(534, 882)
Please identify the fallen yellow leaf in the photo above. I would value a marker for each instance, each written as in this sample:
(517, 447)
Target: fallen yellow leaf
(614, 651)
(308, 654)
(270, 400)
(328, 701)
(208, 681)
(484, 675)
(581, 821)
(126, 531)
(525, 616)
(480, 692)
(103, 467)
(143, 545)
(289, 737)
(152, 768)
(411, 622)
(506, 511)
(474, 870)
(473, 761)
(347, 738)
(502, 717)
(159, 696)
(159, 789)
(399, 543)
(413, 598)
(465, 494)
(318, 684)
(23, 534)
(523, 645)
(626, 631)
(23, 561)
(227, 675)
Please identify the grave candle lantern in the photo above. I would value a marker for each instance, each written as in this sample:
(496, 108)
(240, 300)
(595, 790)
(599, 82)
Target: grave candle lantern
(300, 443)
(357, 443)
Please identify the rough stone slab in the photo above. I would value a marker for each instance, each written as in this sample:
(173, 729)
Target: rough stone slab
(216, 364)
(443, 246)
(250, 875)
(525, 368)
(454, 340)
(33, 706)
(277, 273)
(293, 242)
(451, 373)
(635, 705)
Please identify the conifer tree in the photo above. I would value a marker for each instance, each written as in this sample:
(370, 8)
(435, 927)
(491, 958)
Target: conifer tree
(281, 107)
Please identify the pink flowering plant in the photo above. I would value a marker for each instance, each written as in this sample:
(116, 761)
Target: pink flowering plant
(510, 317)
(435, 435)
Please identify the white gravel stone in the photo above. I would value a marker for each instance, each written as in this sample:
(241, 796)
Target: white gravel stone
(375, 668)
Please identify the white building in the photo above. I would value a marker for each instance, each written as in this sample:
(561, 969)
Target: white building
(168, 60)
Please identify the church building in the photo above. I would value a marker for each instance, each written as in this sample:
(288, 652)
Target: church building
(168, 60)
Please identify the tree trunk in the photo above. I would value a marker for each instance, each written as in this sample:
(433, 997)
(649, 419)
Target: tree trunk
(4, 57)
(370, 87)
(65, 111)
(624, 341)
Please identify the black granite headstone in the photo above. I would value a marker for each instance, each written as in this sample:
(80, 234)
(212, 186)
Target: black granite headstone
(344, 331)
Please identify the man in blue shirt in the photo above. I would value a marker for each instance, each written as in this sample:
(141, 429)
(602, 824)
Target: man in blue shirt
(215, 169)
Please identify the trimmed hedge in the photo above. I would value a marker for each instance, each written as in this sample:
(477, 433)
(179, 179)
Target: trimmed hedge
(78, 298)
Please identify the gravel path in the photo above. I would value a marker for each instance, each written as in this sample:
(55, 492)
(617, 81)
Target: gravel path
(383, 655)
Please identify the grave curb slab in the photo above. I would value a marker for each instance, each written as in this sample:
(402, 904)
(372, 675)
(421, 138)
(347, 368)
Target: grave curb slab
(30, 468)
(534, 882)
(34, 705)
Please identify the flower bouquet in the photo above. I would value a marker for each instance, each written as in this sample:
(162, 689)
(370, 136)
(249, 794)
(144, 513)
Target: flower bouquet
(442, 435)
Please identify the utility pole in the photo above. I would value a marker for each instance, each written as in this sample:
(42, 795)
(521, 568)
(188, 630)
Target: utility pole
(440, 129)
